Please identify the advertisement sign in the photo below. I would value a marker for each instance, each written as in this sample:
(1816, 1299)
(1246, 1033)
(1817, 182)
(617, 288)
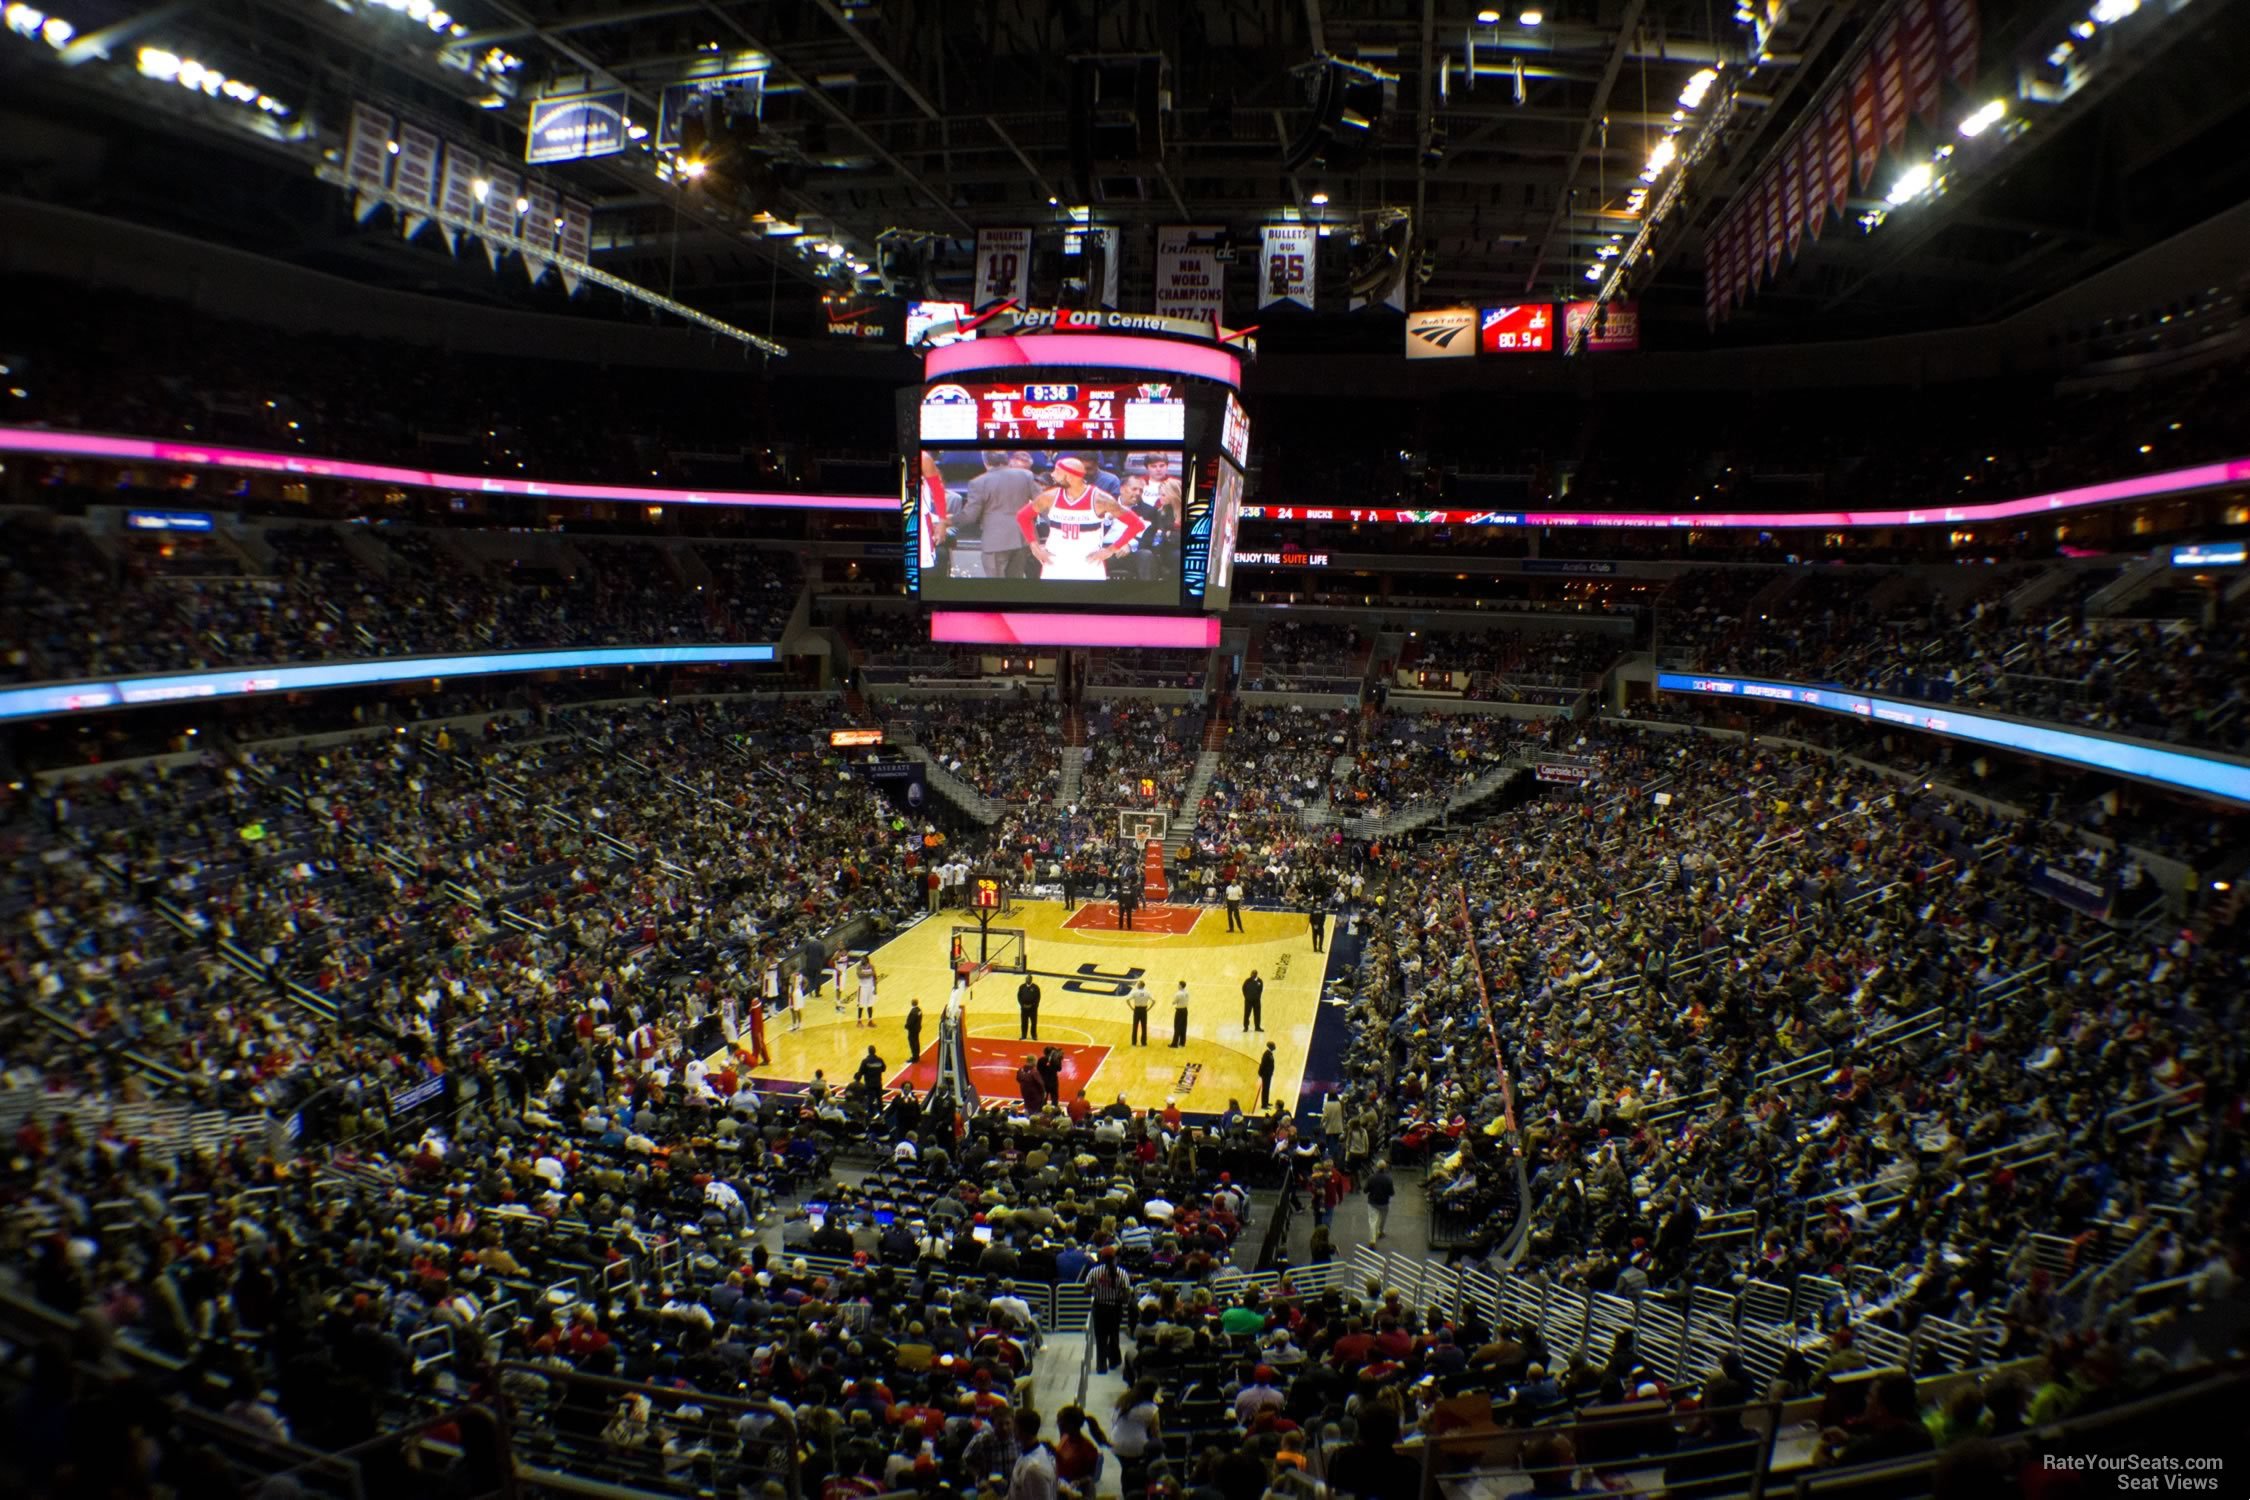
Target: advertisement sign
(1286, 558)
(933, 325)
(2092, 897)
(405, 1099)
(1525, 328)
(852, 739)
(1145, 412)
(1190, 282)
(849, 315)
(902, 783)
(1003, 267)
(576, 127)
(1286, 265)
(168, 520)
(2211, 555)
(1620, 330)
(1575, 773)
(1441, 333)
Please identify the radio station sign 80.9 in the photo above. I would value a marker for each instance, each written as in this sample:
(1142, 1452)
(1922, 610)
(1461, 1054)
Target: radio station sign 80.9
(1142, 412)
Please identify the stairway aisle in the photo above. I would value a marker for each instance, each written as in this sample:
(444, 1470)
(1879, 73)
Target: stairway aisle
(1191, 801)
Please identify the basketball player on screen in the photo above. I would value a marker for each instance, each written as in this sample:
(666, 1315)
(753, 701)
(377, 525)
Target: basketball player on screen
(1085, 527)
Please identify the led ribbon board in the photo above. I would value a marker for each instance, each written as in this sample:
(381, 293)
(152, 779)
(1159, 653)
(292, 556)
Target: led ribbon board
(184, 687)
(2201, 774)
(2139, 487)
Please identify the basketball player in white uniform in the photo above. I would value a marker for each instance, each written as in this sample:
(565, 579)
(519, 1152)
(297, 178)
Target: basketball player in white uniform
(1085, 527)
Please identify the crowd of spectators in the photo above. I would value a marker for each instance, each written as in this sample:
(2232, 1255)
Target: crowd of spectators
(2178, 679)
(69, 612)
(1277, 762)
(1405, 758)
(1138, 754)
(1008, 751)
(1494, 662)
(1794, 1020)
(1306, 656)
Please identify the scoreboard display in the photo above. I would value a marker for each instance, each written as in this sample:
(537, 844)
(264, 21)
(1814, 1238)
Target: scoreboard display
(1524, 328)
(1144, 411)
(1068, 470)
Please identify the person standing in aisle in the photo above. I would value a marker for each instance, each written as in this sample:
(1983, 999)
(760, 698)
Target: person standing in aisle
(1179, 1014)
(1234, 906)
(1253, 1003)
(1109, 1286)
(1140, 1000)
(1380, 1191)
(913, 1031)
(1265, 1078)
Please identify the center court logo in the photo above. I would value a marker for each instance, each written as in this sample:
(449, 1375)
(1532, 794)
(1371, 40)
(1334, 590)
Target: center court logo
(1441, 333)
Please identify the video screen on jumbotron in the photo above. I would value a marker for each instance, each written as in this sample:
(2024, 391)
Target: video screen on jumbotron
(1044, 523)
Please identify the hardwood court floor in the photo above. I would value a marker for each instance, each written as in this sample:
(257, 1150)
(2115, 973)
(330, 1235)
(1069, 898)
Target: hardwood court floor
(1085, 967)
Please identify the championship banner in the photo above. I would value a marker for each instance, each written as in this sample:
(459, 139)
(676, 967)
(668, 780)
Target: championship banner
(1190, 282)
(1890, 83)
(1867, 135)
(576, 241)
(1003, 268)
(1771, 191)
(367, 158)
(458, 193)
(1791, 160)
(415, 179)
(1737, 268)
(1921, 58)
(1813, 178)
(499, 215)
(537, 228)
(1286, 265)
(1839, 153)
(577, 127)
(1959, 39)
(1441, 333)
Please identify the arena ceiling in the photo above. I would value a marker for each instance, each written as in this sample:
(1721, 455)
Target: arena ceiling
(1513, 145)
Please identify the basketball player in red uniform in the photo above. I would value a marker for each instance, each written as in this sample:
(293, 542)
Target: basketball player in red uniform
(1085, 526)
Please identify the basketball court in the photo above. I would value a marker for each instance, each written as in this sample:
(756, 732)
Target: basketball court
(1085, 967)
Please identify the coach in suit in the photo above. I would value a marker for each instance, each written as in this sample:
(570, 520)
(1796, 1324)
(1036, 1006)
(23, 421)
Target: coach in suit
(1027, 1009)
(1128, 898)
(1319, 921)
(1253, 1003)
(993, 499)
